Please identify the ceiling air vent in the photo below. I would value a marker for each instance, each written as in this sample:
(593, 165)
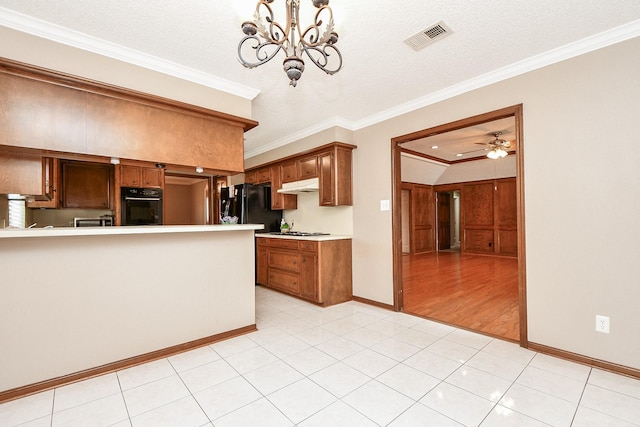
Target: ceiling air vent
(425, 37)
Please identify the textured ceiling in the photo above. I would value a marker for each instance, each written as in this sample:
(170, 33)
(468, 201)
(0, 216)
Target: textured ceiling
(381, 75)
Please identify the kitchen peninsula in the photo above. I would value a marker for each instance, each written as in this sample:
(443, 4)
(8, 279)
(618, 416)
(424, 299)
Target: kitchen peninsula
(77, 302)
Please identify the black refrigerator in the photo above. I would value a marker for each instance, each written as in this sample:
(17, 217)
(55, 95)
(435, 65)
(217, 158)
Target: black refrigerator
(251, 204)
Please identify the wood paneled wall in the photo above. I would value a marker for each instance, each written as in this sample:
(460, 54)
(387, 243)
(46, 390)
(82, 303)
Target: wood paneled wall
(488, 216)
(421, 218)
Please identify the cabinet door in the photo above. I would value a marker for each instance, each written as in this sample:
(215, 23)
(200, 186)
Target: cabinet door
(263, 176)
(308, 167)
(51, 176)
(86, 185)
(152, 177)
(276, 183)
(309, 276)
(250, 177)
(130, 176)
(262, 266)
(327, 194)
(289, 171)
(280, 201)
(20, 174)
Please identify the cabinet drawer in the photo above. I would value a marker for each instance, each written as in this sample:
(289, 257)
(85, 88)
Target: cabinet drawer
(305, 245)
(283, 243)
(284, 281)
(284, 260)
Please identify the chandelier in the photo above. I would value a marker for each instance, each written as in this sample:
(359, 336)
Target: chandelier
(266, 37)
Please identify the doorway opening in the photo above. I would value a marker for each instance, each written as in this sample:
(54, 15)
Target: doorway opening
(448, 220)
(187, 200)
(485, 249)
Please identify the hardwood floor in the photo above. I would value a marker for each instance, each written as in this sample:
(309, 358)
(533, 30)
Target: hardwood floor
(472, 291)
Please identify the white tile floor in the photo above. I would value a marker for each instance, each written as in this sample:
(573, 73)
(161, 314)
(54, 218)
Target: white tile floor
(347, 365)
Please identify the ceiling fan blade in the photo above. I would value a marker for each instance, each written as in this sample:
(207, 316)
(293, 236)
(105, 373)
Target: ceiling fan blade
(474, 151)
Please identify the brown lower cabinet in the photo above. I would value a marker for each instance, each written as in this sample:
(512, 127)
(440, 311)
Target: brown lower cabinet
(317, 271)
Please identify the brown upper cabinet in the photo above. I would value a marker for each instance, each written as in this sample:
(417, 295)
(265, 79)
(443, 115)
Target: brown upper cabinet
(21, 174)
(331, 164)
(280, 201)
(29, 174)
(263, 176)
(86, 185)
(81, 116)
(335, 177)
(51, 183)
(289, 171)
(307, 167)
(140, 176)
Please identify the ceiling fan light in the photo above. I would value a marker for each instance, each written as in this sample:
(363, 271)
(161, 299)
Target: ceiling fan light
(493, 154)
(501, 153)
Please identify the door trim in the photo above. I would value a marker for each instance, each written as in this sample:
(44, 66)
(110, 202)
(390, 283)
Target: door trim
(513, 111)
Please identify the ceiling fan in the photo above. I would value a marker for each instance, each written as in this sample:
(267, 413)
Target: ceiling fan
(497, 147)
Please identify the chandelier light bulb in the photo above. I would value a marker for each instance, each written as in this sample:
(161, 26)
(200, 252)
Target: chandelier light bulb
(265, 37)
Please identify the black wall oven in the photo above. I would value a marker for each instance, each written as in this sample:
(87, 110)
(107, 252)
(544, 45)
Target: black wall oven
(141, 206)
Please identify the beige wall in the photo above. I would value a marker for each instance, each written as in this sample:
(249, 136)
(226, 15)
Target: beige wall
(425, 171)
(177, 204)
(310, 216)
(581, 157)
(61, 217)
(87, 302)
(198, 193)
(185, 204)
(581, 172)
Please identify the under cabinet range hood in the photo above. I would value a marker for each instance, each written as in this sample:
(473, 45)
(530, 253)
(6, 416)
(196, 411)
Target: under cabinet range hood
(302, 186)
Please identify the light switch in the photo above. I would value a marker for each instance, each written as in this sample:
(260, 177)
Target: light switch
(385, 205)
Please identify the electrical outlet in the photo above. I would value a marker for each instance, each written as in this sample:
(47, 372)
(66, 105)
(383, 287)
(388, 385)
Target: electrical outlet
(602, 324)
(385, 205)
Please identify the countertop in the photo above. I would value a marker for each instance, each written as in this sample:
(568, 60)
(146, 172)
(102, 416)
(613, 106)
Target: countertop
(320, 238)
(110, 231)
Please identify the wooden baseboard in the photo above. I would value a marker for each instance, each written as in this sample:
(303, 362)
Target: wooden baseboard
(585, 360)
(374, 303)
(27, 390)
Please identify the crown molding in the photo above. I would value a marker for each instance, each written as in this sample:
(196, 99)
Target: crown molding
(571, 50)
(39, 28)
(304, 133)
(65, 36)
